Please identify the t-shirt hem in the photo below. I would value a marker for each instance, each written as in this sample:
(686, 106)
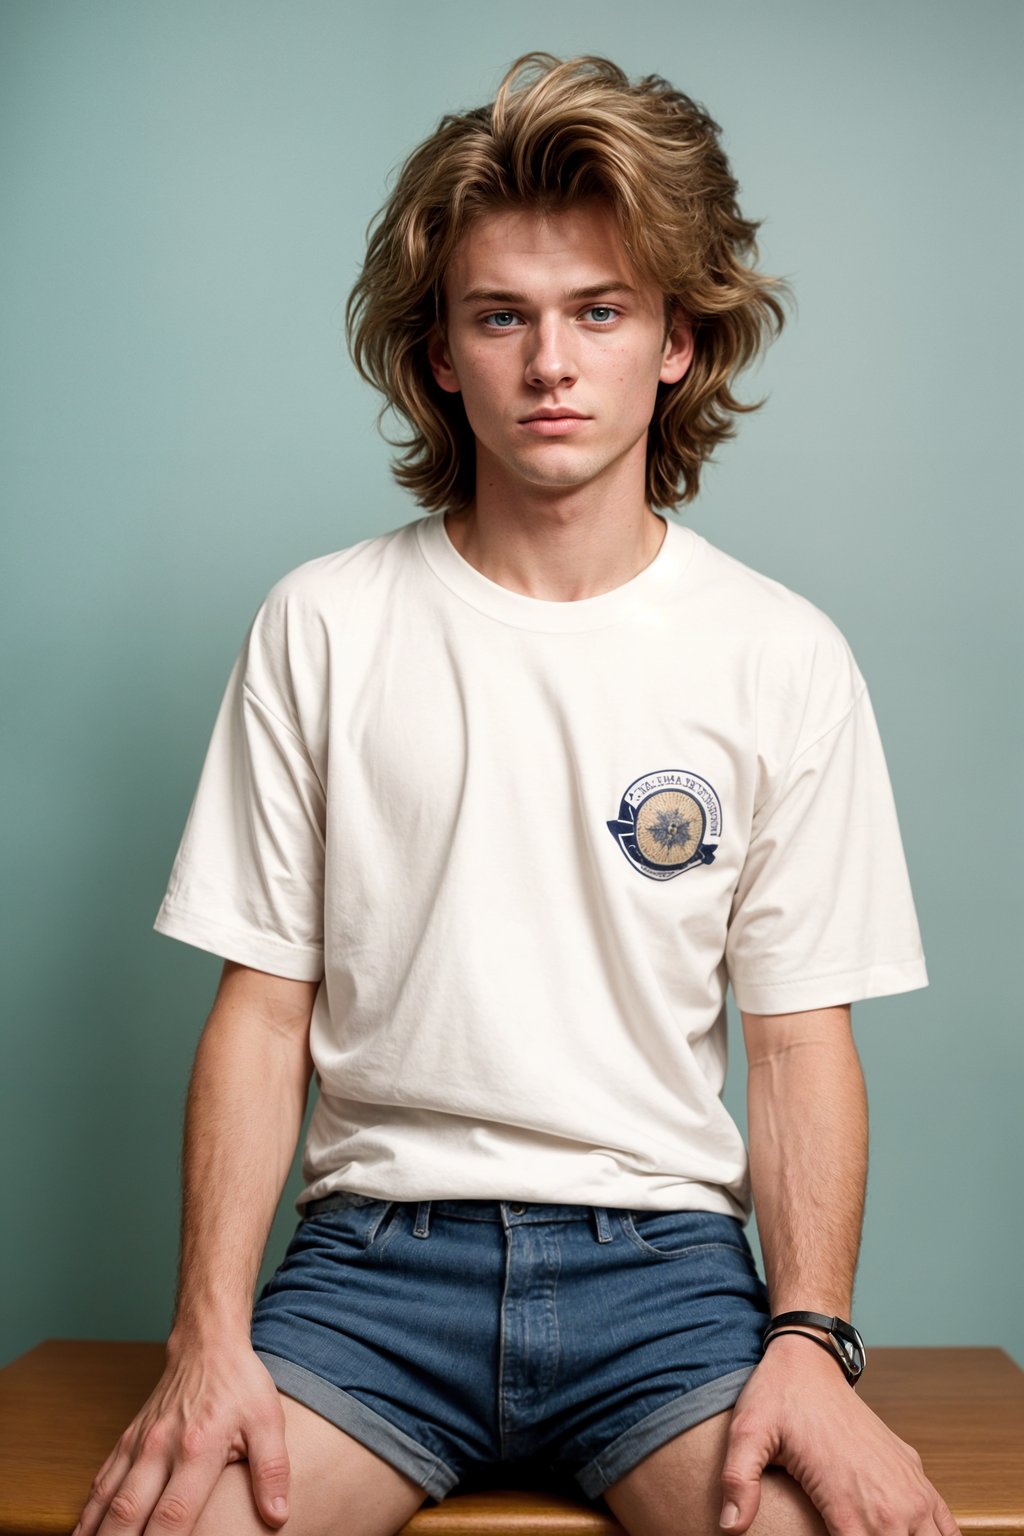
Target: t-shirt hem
(401, 1185)
(831, 990)
(260, 952)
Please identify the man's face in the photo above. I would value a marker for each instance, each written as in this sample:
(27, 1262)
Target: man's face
(557, 348)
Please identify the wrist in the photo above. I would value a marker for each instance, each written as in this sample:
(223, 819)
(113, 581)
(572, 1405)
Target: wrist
(200, 1330)
(790, 1346)
(836, 1304)
(834, 1335)
(804, 1359)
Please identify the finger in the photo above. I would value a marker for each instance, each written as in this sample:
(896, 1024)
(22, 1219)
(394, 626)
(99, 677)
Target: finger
(944, 1518)
(185, 1497)
(270, 1470)
(104, 1485)
(131, 1504)
(741, 1482)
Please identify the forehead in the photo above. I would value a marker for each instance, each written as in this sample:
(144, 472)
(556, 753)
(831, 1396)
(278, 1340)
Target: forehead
(517, 247)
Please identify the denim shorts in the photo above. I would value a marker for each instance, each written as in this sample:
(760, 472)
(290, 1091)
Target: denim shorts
(452, 1336)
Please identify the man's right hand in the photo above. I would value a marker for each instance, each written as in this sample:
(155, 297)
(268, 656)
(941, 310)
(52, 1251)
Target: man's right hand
(213, 1405)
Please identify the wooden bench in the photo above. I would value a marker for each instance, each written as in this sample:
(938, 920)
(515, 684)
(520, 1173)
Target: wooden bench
(64, 1404)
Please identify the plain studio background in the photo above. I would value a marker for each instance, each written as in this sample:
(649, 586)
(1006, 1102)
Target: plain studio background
(185, 190)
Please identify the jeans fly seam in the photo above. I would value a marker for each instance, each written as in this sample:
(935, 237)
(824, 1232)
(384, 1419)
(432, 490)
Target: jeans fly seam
(501, 1342)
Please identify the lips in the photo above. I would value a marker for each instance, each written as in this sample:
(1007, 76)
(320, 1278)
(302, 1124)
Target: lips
(553, 421)
(554, 413)
(554, 424)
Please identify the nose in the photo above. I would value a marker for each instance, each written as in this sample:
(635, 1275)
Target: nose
(550, 361)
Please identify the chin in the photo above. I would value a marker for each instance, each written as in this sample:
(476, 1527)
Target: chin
(569, 472)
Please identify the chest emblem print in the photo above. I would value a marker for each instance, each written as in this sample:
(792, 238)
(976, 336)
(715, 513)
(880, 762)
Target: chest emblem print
(668, 822)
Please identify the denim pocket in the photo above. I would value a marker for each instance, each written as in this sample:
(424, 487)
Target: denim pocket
(680, 1234)
(356, 1219)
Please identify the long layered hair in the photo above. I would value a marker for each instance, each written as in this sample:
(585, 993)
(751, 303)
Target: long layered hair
(559, 132)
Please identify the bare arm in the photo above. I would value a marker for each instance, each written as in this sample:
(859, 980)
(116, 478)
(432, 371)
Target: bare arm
(807, 1112)
(808, 1129)
(215, 1402)
(246, 1101)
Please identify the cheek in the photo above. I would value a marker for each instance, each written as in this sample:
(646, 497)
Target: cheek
(639, 371)
(638, 383)
(483, 376)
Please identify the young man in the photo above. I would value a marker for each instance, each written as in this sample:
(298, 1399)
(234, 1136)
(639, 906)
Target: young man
(496, 806)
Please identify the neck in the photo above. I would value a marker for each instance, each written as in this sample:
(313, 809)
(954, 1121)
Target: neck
(558, 546)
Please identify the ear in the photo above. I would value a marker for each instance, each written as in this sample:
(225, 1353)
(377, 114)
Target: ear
(678, 353)
(441, 365)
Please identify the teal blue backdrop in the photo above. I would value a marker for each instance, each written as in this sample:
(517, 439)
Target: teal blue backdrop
(185, 190)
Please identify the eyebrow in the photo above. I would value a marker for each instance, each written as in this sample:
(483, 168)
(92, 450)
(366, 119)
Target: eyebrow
(503, 296)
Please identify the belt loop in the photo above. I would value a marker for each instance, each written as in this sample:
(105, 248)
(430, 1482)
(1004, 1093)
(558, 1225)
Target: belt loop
(603, 1225)
(422, 1227)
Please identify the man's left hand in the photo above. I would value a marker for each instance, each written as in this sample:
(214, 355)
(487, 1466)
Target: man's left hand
(797, 1411)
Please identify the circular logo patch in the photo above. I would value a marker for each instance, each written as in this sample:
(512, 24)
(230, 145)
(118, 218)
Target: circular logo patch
(669, 827)
(664, 823)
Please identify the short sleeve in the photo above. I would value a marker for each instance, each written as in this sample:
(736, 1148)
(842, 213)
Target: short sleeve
(247, 882)
(823, 913)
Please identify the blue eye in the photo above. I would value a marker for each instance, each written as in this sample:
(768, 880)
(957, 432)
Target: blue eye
(601, 313)
(501, 320)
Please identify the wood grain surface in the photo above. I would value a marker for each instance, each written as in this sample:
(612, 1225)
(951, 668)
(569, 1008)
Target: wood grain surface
(63, 1405)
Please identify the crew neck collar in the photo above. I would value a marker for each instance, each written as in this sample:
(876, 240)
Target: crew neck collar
(650, 586)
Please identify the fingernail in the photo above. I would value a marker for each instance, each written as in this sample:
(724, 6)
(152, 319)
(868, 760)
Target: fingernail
(730, 1514)
(279, 1506)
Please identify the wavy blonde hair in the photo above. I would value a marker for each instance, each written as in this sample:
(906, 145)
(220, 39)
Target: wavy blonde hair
(556, 133)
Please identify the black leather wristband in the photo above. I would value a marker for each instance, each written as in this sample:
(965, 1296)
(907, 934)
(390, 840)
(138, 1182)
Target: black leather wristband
(843, 1341)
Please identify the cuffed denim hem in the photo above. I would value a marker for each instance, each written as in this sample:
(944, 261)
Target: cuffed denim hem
(371, 1429)
(657, 1428)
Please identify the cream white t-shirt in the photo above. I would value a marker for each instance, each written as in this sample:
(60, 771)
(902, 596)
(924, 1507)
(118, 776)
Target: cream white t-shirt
(524, 846)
